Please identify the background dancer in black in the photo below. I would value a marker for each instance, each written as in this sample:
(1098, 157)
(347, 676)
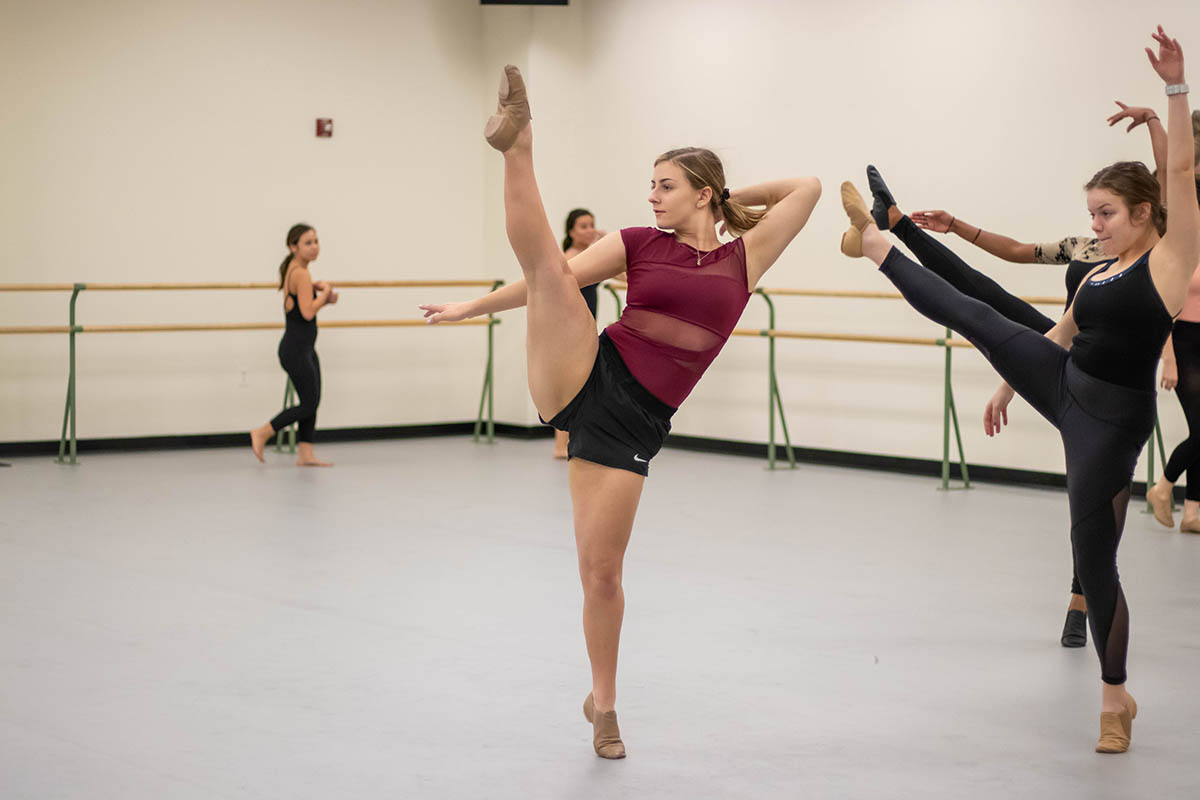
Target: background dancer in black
(303, 298)
(581, 233)
(1100, 392)
(1185, 352)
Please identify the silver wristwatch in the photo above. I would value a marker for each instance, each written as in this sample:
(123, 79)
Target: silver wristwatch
(1176, 88)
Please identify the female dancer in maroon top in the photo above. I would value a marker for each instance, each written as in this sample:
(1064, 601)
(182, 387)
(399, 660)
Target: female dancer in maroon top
(615, 393)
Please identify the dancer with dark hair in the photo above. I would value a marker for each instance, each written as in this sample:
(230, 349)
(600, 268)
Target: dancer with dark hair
(303, 298)
(616, 393)
(582, 233)
(1092, 374)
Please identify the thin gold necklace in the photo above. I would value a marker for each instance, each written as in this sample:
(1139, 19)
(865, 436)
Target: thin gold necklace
(700, 256)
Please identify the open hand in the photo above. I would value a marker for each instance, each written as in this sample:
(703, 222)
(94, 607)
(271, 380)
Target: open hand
(937, 220)
(1169, 61)
(1136, 114)
(995, 414)
(444, 312)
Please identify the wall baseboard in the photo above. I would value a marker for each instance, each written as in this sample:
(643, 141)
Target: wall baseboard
(805, 455)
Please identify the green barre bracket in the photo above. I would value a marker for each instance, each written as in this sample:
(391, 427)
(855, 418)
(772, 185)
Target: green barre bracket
(774, 400)
(69, 409)
(488, 395)
(950, 415)
(1150, 462)
(289, 394)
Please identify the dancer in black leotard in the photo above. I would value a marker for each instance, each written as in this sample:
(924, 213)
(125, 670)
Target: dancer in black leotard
(303, 298)
(1099, 393)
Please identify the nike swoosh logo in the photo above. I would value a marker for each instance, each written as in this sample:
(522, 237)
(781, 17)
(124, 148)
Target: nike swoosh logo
(643, 460)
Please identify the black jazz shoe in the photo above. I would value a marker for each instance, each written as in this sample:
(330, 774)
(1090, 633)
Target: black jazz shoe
(1075, 629)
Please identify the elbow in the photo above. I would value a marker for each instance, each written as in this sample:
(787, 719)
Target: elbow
(309, 316)
(812, 184)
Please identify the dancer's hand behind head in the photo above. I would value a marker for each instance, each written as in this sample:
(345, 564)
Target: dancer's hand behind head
(1169, 61)
(1137, 115)
(444, 312)
(937, 220)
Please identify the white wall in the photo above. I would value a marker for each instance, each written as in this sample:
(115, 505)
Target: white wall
(145, 144)
(151, 141)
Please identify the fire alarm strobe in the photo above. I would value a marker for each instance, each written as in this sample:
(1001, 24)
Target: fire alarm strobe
(325, 127)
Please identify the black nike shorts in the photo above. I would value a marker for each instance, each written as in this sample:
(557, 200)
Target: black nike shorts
(614, 420)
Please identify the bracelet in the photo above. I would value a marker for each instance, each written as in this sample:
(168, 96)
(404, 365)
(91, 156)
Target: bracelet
(950, 227)
(1176, 88)
(1153, 117)
(978, 231)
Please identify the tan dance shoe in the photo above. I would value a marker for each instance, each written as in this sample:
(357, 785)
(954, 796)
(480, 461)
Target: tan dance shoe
(512, 112)
(1163, 504)
(855, 207)
(851, 244)
(860, 218)
(606, 736)
(1116, 729)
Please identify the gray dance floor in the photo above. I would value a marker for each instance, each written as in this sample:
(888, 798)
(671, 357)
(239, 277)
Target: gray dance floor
(406, 625)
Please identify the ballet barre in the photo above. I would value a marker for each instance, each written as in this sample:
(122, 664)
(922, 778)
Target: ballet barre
(67, 447)
(773, 333)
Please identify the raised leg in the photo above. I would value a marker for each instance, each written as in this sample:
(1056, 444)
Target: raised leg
(560, 336)
(1032, 364)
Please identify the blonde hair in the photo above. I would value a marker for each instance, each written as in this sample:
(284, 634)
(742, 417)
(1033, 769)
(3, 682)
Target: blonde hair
(703, 168)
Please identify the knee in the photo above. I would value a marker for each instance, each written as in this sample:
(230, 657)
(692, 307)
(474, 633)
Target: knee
(601, 578)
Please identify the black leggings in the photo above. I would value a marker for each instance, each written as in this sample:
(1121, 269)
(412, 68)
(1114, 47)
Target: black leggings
(1103, 428)
(303, 367)
(1186, 457)
(944, 262)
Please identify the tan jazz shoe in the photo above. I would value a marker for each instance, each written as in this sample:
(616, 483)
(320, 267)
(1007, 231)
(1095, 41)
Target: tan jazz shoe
(606, 736)
(1163, 505)
(851, 244)
(1116, 729)
(856, 209)
(512, 112)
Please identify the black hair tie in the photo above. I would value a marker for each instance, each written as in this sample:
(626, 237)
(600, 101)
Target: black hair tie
(724, 194)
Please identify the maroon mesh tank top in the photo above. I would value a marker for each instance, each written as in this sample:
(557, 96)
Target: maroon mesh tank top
(677, 315)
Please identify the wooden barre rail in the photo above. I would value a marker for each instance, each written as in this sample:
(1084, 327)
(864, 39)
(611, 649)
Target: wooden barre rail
(882, 295)
(845, 294)
(229, 326)
(115, 287)
(851, 337)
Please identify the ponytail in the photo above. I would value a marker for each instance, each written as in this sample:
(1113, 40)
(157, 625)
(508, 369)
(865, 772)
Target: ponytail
(704, 168)
(740, 218)
(293, 237)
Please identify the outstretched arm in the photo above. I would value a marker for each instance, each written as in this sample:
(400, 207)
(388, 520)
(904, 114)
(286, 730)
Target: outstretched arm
(603, 260)
(1174, 259)
(789, 204)
(1142, 115)
(997, 244)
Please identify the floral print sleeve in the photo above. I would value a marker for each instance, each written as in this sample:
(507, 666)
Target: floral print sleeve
(1072, 248)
